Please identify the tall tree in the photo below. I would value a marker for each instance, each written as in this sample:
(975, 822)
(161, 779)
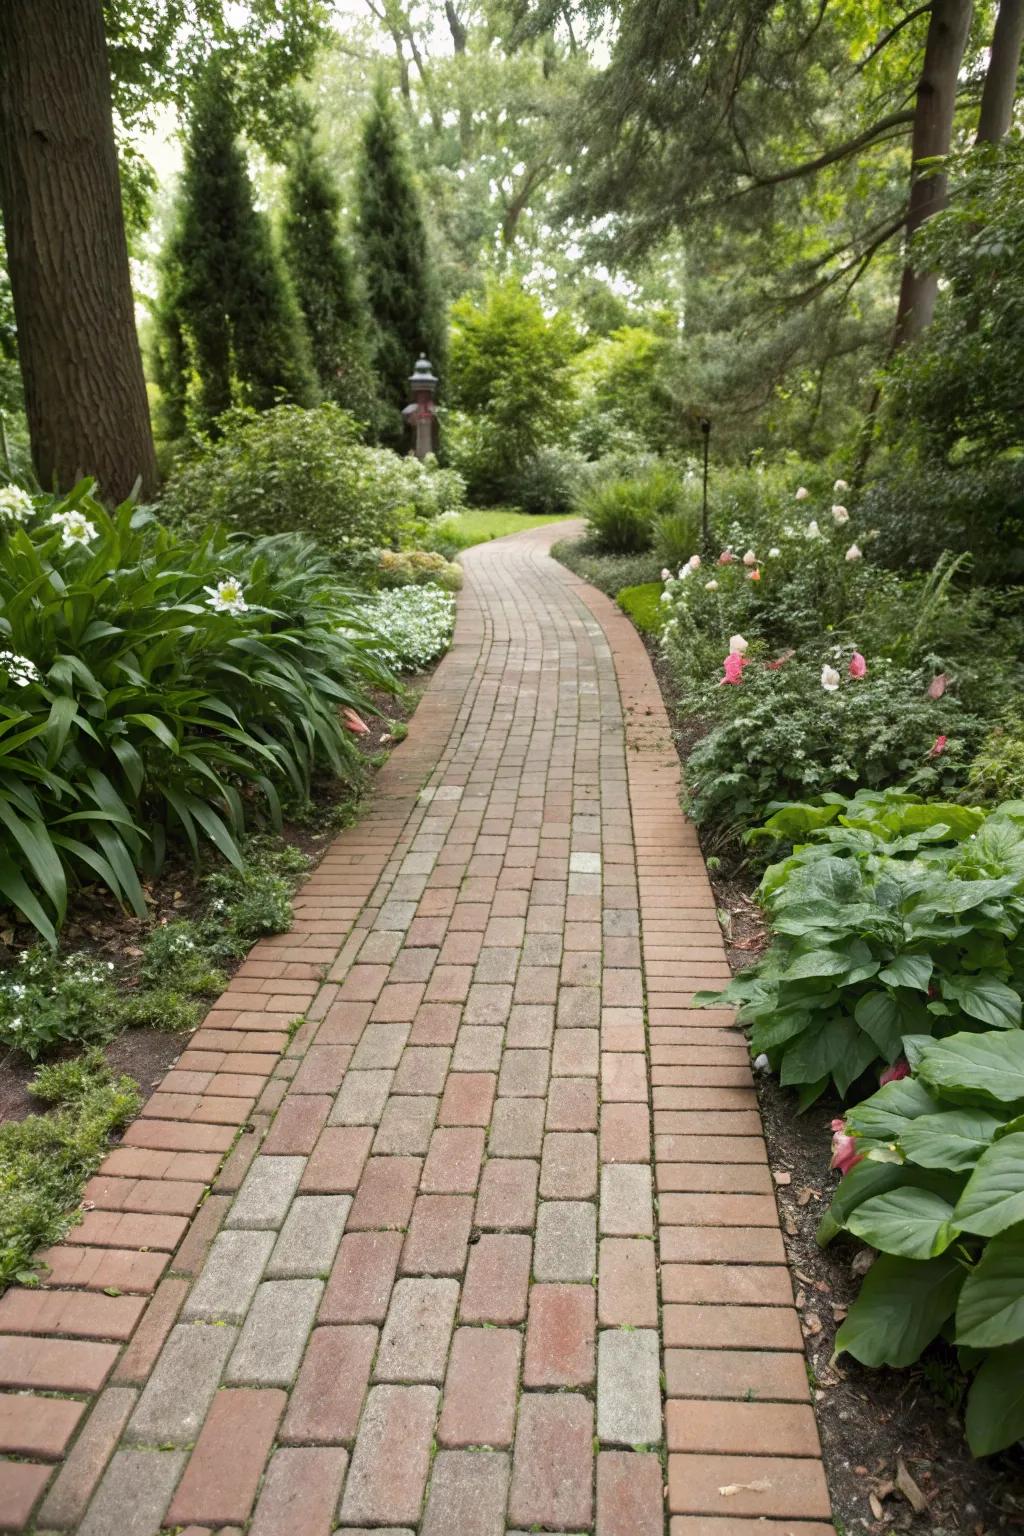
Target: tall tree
(85, 396)
(322, 271)
(1000, 90)
(406, 311)
(230, 328)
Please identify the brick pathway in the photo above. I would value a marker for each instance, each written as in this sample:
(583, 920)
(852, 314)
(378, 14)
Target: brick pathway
(444, 1279)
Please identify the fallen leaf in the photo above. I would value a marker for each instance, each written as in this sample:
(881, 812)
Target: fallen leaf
(791, 1227)
(838, 1312)
(759, 1485)
(862, 1261)
(807, 1279)
(812, 1324)
(909, 1489)
(807, 1194)
(876, 1508)
(800, 1300)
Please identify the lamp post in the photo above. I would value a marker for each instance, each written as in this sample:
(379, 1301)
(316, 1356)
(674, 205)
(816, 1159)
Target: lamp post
(705, 427)
(421, 415)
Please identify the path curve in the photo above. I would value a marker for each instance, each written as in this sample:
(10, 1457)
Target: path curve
(451, 1278)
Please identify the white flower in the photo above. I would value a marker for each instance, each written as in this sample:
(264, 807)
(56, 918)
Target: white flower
(789, 531)
(19, 669)
(228, 596)
(15, 504)
(812, 531)
(737, 645)
(685, 573)
(666, 597)
(75, 528)
(666, 575)
(840, 486)
(829, 679)
(750, 558)
(695, 562)
(840, 515)
(802, 493)
(853, 553)
(774, 552)
(711, 586)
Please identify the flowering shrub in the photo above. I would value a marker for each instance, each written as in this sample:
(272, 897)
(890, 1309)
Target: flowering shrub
(414, 625)
(898, 920)
(46, 1002)
(934, 1179)
(418, 567)
(149, 687)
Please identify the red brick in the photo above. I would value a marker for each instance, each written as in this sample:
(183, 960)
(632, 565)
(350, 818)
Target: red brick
(453, 1160)
(623, 1078)
(191, 1256)
(73, 1487)
(300, 1492)
(21, 1483)
(140, 1357)
(718, 1210)
(753, 1429)
(37, 1426)
(220, 1481)
(70, 1314)
(479, 1405)
(736, 1373)
(742, 1284)
(112, 1229)
(328, 1395)
(701, 1525)
(322, 1069)
(552, 1468)
(508, 1193)
(398, 1002)
(297, 1125)
(386, 1193)
(336, 1164)
(560, 1337)
(97, 1269)
(468, 1098)
(572, 1104)
(629, 1497)
(154, 1197)
(497, 1279)
(627, 1285)
(625, 1133)
(55, 1365)
(717, 1245)
(360, 1283)
(785, 1487)
(138, 1163)
(438, 1235)
(435, 1024)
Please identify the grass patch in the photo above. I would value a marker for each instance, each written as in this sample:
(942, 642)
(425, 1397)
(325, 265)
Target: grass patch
(644, 606)
(45, 1160)
(609, 573)
(476, 527)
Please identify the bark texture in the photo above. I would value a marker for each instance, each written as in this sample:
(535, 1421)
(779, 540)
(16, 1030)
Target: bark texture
(85, 395)
(933, 132)
(1000, 90)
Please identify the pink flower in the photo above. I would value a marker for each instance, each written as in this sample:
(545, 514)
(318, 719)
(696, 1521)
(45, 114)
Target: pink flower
(844, 1148)
(733, 667)
(893, 1074)
(937, 686)
(726, 557)
(858, 666)
(355, 723)
(939, 746)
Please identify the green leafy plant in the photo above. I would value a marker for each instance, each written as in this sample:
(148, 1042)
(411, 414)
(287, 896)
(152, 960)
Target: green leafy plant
(418, 567)
(997, 771)
(937, 1186)
(899, 923)
(622, 514)
(47, 1001)
(414, 624)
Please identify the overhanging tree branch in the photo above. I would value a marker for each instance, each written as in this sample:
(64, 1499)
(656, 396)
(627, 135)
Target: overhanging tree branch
(832, 156)
(894, 31)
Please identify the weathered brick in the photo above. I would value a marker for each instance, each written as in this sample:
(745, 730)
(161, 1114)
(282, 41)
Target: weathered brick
(228, 1280)
(560, 1337)
(418, 1327)
(360, 1282)
(72, 1488)
(508, 1194)
(300, 1492)
(497, 1279)
(627, 1286)
(264, 1198)
(628, 1388)
(438, 1236)
(325, 1404)
(310, 1236)
(479, 1404)
(467, 1494)
(336, 1162)
(453, 1160)
(174, 1400)
(552, 1467)
(223, 1473)
(388, 1470)
(626, 1200)
(386, 1193)
(786, 1487)
(273, 1336)
(55, 1365)
(566, 1243)
(629, 1497)
(134, 1494)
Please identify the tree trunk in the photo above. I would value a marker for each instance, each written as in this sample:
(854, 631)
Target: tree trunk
(85, 395)
(933, 132)
(1000, 90)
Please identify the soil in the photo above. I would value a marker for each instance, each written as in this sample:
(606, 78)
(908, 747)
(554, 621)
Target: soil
(891, 1440)
(97, 925)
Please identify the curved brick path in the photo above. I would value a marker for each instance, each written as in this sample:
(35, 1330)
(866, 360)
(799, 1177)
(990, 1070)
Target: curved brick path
(423, 1294)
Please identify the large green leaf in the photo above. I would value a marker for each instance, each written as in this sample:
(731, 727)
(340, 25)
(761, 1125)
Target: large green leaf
(914, 1223)
(902, 1306)
(995, 1403)
(968, 1067)
(878, 1015)
(814, 963)
(990, 1311)
(993, 1198)
(908, 971)
(835, 1047)
(986, 997)
(954, 1139)
(888, 1113)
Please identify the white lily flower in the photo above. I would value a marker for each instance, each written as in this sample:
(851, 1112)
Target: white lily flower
(15, 504)
(774, 552)
(666, 575)
(750, 558)
(695, 562)
(228, 596)
(812, 531)
(802, 493)
(75, 528)
(840, 486)
(711, 586)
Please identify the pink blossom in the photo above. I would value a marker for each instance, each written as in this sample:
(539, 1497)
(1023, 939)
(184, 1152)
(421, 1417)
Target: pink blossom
(937, 686)
(844, 1148)
(733, 667)
(858, 666)
(939, 746)
(726, 557)
(355, 723)
(893, 1074)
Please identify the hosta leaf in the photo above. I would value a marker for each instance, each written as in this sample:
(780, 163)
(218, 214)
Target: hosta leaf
(816, 962)
(908, 971)
(954, 1139)
(990, 1311)
(913, 1223)
(902, 1306)
(994, 1195)
(995, 1403)
(986, 997)
(888, 1113)
(878, 1015)
(834, 1048)
(969, 1067)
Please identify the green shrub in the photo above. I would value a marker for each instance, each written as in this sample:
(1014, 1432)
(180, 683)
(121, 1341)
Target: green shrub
(549, 482)
(622, 514)
(677, 537)
(937, 1186)
(414, 624)
(155, 688)
(997, 772)
(306, 471)
(921, 509)
(418, 568)
(609, 573)
(898, 919)
(48, 1001)
(46, 1159)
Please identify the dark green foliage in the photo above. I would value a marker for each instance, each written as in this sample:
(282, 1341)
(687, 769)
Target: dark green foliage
(644, 606)
(624, 515)
(230, 329)
(921, 509)
(323, 274)
(609, 573)
(407, 314)
(548, 483)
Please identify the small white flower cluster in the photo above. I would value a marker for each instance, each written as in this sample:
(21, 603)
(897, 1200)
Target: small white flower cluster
(16, 505)
(19, 669)
(228, 596)
(75, 528)
(415, 624)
